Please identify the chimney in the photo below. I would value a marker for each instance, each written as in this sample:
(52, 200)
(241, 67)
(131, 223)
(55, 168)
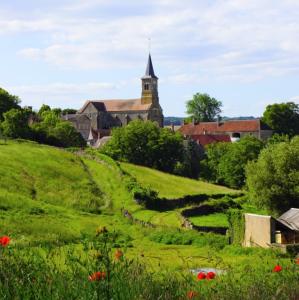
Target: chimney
(218, 121)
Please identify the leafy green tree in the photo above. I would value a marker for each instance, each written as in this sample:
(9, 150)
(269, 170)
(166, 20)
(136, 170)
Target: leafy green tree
(210, 165)
(273, 180)
(7, 102)
(283, 118)
(144, 143)
(232, 164)
(66, 135)
(225, 162)
(203, 108)
(43, 108)
(67, 111)
(15, 124)
(190, 166)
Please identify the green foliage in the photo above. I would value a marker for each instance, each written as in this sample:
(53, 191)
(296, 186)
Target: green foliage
(7, 102)
(52, 130)
(236, 223)
(278, 138)
(232, 164)
(144, 143)
(178, 237)
(203, 108)
(225, 162)
(15, 124)
(43, 108)
(210, 165)
(67, 111)
(66, 135)
(190, 167)
(283, 118)
(273, 180)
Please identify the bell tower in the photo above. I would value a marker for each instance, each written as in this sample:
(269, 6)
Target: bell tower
(150, 85)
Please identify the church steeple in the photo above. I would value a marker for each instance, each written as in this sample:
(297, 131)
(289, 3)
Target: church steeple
(149, 72)
(150, 85)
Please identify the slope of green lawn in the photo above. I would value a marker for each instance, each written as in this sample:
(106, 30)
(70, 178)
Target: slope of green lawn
(48, 195)
(212, 220)
(171, 186)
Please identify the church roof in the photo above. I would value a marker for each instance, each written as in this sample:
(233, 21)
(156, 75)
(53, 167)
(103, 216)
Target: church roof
(117, 105)
(149, 72)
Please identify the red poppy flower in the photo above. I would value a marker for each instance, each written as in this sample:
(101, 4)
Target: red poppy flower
(277, 268)
(191, 294)
(97, 276)
(118, 254)
(211, 275)
(201, 276)
(297, 261)
(4, 241)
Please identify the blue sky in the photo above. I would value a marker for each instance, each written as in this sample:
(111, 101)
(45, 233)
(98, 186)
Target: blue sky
(242, 52)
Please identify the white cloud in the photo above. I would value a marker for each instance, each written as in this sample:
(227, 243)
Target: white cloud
(227, 39)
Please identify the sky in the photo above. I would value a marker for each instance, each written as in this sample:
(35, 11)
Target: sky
(244, 53)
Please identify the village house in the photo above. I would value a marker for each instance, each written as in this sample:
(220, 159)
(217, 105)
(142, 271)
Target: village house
(205, 133)
(97, 117)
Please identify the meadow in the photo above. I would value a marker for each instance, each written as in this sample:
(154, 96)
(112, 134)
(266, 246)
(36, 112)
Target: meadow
(64, 214)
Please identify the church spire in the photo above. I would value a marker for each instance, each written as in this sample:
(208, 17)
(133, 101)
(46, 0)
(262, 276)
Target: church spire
(149, 72)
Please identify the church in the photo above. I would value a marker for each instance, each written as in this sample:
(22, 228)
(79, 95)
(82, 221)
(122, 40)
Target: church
(97, 117)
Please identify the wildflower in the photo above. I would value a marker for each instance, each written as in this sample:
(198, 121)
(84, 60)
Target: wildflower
(191, 294)
(211, 275)
(118, 254)
(277, 268)
(297, 261)
(201, 276)
(4, 241)
(101, 230)
(97, 276)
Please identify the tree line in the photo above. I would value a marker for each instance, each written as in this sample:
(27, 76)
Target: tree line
(45, 126)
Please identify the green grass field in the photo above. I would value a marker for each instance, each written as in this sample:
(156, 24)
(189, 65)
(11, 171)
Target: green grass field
(48, 195)
(171, 186)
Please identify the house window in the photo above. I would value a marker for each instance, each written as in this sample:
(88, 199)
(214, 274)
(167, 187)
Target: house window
(236, 135)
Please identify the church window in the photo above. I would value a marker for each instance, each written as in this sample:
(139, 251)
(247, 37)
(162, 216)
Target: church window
(146, 86)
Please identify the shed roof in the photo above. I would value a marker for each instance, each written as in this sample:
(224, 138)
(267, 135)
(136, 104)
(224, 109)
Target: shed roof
(290, 219)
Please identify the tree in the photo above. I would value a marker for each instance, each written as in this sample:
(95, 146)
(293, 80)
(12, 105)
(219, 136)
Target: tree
(15, 124)
(210, 165)
(7, 102)
(43, 108)
(273, 180)
(225, 162)
(144, 143)
(203, 108)
(283, 118)
(232, 164)
(66, 135)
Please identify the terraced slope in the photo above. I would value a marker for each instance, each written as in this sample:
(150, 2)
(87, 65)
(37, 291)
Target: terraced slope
(171, 186)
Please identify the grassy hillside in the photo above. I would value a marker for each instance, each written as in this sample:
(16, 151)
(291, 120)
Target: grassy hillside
(171, 186)
(48, 195)
(52, 202)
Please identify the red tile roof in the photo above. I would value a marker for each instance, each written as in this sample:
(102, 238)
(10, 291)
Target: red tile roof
(117, 105)
(222, 127)
(206, 139)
